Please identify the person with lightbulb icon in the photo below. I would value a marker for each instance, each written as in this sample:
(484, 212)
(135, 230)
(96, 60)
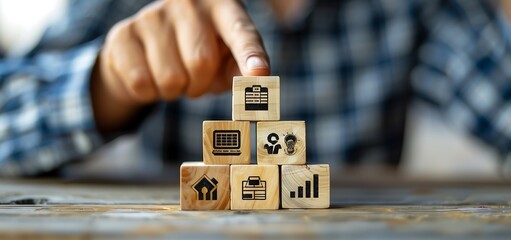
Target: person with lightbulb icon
(273, 147)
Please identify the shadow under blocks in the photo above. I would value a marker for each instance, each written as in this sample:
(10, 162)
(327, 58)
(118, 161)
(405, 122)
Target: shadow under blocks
(225, 179)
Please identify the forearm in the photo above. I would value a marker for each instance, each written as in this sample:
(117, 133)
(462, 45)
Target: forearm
(112, 113)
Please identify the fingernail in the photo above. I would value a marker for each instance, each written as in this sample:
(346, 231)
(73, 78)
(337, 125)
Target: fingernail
(256, 62)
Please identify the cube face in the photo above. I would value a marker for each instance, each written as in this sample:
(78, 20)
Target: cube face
(280, 143)
(204, 187)
(226, 142)
(256, 98)
(305, 186)
(254, 187)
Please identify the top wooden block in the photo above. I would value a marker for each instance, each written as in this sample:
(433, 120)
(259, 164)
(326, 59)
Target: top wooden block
(256, 98)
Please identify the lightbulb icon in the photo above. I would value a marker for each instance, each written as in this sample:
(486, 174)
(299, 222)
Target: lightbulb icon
(290, 141)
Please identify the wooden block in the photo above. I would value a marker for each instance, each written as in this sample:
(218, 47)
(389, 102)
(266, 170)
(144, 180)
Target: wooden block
(256, 98)
(204, 187)
(254, 187)
(305, 186)
(281, 143)
(226, 142)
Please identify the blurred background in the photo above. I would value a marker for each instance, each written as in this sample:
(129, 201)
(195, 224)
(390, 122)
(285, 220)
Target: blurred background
(434, 149)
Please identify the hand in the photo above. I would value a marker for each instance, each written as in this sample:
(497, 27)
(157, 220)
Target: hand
(170, 49)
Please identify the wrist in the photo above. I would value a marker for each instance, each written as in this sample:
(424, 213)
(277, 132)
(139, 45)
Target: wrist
(113, 110)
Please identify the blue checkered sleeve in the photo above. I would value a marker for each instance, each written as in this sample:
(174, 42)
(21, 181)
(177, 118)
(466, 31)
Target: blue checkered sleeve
(465, 69)
(46, 117)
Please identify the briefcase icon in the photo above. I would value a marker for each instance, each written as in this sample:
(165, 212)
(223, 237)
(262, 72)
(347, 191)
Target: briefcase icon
(253, 188)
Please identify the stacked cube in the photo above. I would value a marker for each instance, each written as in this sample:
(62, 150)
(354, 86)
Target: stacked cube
(226, 179)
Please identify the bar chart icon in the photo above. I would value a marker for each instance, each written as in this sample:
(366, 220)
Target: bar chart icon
(308, 191)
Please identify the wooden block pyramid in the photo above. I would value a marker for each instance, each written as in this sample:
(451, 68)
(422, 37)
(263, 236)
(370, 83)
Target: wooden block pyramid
(280, 179)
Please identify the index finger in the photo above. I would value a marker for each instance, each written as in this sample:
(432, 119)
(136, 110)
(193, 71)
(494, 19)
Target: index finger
(240, 35)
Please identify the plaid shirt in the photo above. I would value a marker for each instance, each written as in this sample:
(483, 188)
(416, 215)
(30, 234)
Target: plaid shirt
(348, 68)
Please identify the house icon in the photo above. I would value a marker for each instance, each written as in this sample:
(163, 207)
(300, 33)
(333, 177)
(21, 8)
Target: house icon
(205, 188)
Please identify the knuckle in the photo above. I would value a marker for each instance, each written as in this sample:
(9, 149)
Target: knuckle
(171, 84)
(120, 31)
(138, 76)
(201, 62)
(149, 14)
(139, 81)
(242, 25)
(201, 68)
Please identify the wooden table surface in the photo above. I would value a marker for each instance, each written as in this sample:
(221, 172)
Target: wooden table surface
(378, 209)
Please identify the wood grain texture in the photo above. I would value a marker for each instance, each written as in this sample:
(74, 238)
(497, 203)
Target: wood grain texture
(301, 189)
(224, 153)
(363, 206)
(193, 174)
(269, 179)
(281, 143)
(239, 96)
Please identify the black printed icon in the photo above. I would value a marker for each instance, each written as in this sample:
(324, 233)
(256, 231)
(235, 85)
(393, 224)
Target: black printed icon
(273, 147)
(256, 98)
(308, 192)
(226, 142)
(253, 188)
(290, 141)
(205, 188)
